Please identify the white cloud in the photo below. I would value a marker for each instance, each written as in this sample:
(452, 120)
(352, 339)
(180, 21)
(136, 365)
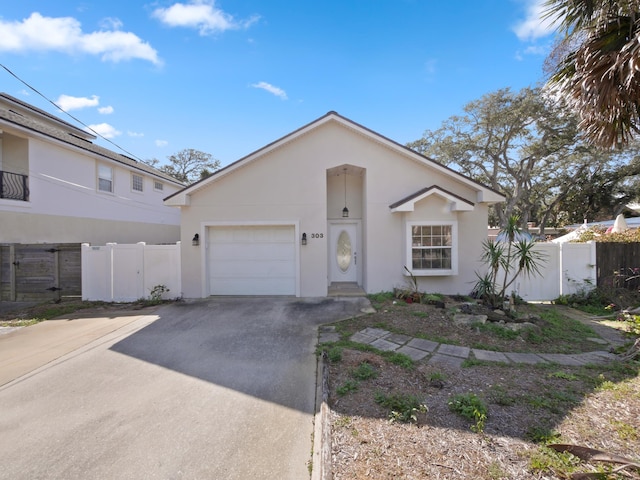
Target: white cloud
(161, 143)
(111, 23)
(278, 92)
(104, 130)
(533, 26)
(108, 110)
(135, 134)
(68, 103)
(64, 34)
(202, 15)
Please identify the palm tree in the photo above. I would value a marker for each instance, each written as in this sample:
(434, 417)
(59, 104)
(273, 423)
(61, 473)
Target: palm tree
(596, 66)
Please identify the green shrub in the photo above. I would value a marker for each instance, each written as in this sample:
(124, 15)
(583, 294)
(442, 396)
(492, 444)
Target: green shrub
(334, 354)
(471, 407)
(403, 407)
(157, 292)
(364, 371)
(349, 386)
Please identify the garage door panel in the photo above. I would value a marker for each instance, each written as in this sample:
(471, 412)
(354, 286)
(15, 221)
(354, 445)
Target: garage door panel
(252, 260)
(249, 269)
(253, 252)
(238, 286)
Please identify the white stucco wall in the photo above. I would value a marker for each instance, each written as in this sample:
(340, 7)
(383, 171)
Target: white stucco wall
(65, 204)
(289, 184)
(39, 228)
(71, 178)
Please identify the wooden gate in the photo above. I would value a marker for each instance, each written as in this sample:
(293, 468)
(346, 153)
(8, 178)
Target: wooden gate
(618, 265)
(40, 272)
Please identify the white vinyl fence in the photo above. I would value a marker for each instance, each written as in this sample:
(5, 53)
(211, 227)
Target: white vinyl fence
(126, 273)
(569, 268)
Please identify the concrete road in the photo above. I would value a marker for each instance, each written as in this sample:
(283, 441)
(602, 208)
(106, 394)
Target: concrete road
(219, 389)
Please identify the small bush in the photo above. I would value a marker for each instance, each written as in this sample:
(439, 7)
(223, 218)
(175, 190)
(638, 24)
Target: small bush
(157, 292)
(364, 371)
(349, 386)
(334, 354)
(471, 407)
(403, 407)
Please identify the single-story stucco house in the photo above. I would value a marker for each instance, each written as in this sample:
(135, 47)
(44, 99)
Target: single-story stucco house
(331, 203)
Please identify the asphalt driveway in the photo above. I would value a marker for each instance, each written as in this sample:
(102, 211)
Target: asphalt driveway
(218, 389)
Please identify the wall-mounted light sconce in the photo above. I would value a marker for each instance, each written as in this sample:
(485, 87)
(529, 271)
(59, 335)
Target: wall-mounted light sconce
(196, 240)
(345, 210)
(304, 239)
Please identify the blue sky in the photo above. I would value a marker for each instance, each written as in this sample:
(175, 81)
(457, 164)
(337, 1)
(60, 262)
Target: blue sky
(228, 77)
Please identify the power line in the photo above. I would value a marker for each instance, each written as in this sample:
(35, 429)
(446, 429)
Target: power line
(135, 157)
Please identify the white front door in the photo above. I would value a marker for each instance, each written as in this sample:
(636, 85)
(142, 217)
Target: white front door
(343, 254)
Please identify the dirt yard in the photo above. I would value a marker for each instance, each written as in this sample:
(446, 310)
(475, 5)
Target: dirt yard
(525, 407)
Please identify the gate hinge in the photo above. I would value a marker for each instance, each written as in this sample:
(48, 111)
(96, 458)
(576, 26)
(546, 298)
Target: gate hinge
(52, 250)
(54, 289)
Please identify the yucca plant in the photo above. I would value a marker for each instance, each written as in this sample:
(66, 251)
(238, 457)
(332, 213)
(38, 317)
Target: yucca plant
(505, 260)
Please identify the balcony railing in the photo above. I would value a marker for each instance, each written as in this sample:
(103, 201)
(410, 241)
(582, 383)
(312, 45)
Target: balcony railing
(14, 186)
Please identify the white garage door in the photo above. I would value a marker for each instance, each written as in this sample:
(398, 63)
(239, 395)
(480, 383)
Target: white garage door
(252, 260)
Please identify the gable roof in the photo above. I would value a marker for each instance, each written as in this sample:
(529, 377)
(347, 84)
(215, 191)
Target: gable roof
(484, 193)
(23, 116)
(456, 202)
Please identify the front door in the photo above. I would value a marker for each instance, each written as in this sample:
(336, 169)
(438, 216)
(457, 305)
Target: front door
(343, 254)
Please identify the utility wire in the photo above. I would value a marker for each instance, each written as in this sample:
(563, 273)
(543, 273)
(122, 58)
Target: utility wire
(135, 157)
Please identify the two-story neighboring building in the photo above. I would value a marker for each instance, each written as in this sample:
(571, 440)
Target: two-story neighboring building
(57, 186)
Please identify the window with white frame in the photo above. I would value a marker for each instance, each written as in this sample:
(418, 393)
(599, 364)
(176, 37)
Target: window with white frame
(137, 182)
(432, 248)
(158, 185)
(105, 178)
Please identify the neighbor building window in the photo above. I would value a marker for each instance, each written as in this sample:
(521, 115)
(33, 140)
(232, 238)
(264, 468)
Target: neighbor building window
(433, 248)
(158, 185)
(137, 182)
(105, 178)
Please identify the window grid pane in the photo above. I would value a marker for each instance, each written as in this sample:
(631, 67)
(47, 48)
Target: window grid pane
(431, 247)
(137, 182)
(105, 185)
(105, 179)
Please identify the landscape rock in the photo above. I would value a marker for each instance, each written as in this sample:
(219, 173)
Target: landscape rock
(468, 319)
(517, 327)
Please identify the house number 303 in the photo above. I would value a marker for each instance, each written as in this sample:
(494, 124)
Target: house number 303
(317, 235)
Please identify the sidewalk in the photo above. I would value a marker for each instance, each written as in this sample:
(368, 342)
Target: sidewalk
(25, 349)
(419, 349)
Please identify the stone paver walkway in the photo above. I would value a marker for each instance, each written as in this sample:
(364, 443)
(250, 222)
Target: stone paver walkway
(452, 355)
